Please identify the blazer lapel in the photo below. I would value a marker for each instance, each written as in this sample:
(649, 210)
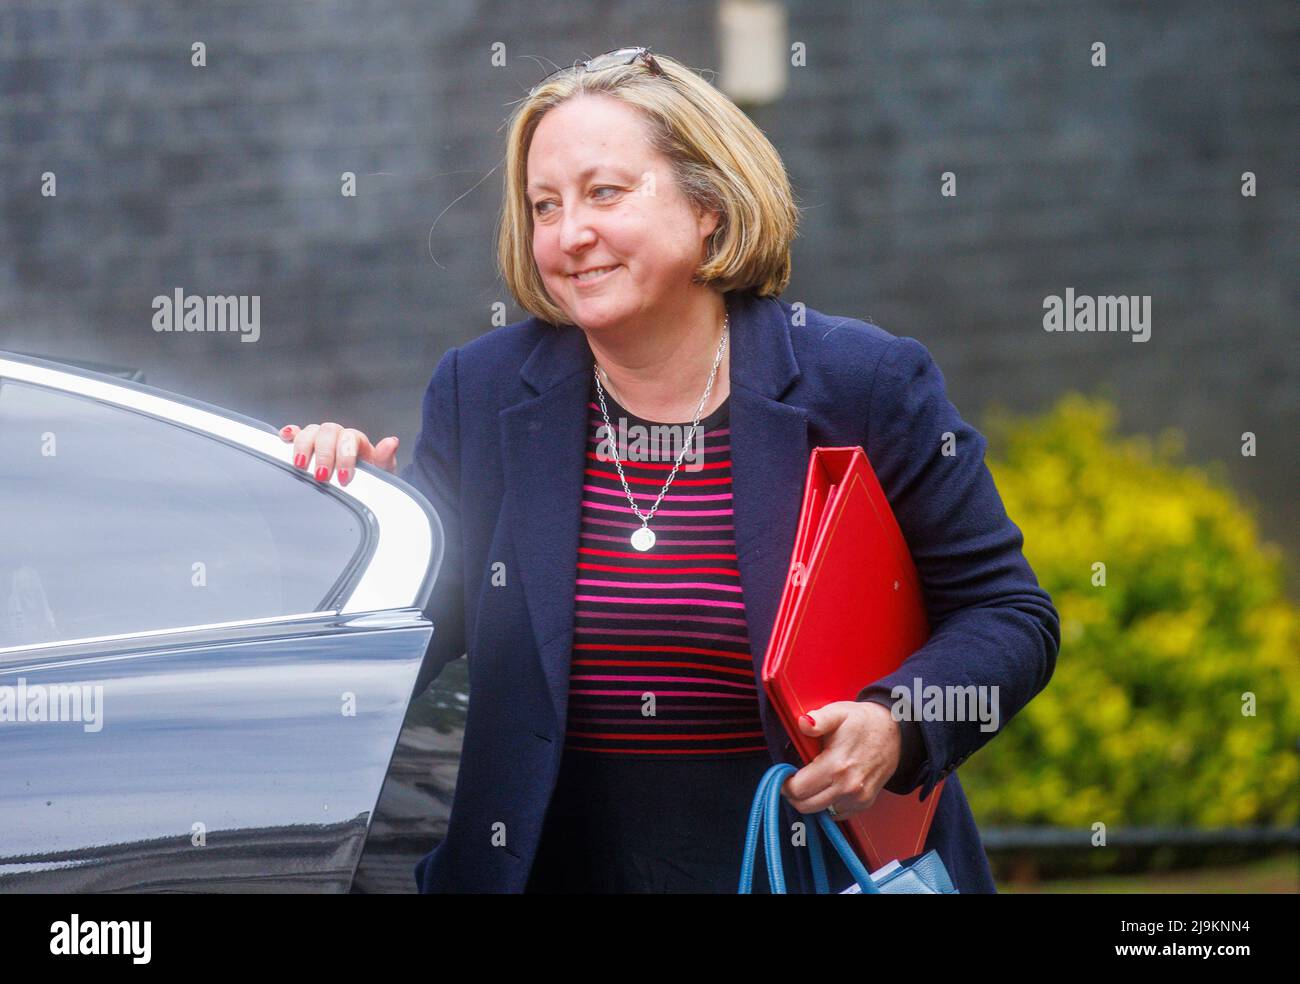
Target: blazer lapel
(544, 442)
(769, 464)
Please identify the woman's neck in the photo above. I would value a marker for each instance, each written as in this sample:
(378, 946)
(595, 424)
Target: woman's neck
(660, 374)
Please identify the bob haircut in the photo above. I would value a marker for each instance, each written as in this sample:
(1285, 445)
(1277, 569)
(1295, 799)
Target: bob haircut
(720, 160)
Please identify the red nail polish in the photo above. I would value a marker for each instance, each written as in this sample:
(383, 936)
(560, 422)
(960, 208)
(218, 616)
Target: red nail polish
(808, 718)
(343, 476)
(300, 461)
(286, 431)
(322, 473)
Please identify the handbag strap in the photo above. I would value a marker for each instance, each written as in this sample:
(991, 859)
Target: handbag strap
(764, 819)
(752, 829)
(845, 850)
(772, 832)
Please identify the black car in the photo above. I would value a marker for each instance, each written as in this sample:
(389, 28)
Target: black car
(206, 656)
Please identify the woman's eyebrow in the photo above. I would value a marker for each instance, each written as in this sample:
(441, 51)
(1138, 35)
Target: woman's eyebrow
(582, 176)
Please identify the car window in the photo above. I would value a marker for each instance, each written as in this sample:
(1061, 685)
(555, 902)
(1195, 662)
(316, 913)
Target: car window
(112, 521)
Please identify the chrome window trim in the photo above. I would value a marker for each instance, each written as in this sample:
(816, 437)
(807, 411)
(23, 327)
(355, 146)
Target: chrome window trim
(128, 645)
(36, 648)
(396, 574)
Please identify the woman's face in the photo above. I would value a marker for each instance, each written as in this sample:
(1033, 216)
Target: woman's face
(600, 196)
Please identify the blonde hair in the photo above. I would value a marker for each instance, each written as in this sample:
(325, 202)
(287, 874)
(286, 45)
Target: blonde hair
(720, 160)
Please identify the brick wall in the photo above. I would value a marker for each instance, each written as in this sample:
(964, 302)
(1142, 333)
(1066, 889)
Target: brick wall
(225, 179)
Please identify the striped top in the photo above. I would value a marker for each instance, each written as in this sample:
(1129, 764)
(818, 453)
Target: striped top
(661, 663)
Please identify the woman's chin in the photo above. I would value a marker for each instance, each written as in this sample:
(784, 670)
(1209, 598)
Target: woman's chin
(597, 313)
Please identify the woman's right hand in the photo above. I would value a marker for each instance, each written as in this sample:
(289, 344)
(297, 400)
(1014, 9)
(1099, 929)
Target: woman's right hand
(336, 447)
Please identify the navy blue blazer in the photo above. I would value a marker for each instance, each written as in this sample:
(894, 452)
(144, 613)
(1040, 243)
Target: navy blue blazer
(501, 456)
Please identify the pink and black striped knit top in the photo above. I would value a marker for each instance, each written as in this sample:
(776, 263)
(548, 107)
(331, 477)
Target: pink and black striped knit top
(661, 664)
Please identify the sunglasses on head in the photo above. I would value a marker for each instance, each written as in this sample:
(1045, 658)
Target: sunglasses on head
(620, 56)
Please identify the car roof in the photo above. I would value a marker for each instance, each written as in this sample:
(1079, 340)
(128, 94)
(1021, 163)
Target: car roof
(130, 373)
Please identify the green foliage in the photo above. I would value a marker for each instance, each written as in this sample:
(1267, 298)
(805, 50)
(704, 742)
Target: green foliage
(1142, 722)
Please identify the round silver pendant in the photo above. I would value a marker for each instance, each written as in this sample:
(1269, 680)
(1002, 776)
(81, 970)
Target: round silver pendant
(644, 538)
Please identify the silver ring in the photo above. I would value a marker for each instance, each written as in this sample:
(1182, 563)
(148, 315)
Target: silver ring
(831, 810)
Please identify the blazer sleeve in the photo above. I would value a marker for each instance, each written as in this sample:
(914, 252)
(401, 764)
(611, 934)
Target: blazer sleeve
(435, 471)
(991, 623)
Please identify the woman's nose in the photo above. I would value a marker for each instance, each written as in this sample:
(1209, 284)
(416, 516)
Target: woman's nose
(576, 232)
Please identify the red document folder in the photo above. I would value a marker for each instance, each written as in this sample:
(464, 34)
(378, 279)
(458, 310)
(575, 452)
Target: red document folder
(852, 611)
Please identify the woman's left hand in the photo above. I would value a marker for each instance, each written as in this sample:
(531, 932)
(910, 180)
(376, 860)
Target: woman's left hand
(860, 751)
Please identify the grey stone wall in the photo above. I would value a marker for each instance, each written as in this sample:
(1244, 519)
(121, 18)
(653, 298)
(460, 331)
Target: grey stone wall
(225, 180)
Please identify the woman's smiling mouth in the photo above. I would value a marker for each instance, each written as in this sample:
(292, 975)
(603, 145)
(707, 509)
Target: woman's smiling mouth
(593, 276)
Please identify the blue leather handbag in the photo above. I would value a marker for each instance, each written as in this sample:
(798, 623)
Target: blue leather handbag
(922, 875)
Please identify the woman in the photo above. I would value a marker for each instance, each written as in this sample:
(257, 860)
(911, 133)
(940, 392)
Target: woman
(616, 606)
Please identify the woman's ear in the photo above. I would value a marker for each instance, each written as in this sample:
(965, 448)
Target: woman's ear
(707, 222)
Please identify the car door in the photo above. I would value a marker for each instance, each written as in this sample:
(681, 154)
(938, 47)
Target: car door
(206, 656)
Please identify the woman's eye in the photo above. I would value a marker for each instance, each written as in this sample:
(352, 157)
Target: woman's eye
(537, 208)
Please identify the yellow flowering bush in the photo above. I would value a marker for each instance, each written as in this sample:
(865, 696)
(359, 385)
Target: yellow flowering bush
(1142, 722)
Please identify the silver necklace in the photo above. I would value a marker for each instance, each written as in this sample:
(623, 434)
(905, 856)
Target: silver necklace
(644, 538)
